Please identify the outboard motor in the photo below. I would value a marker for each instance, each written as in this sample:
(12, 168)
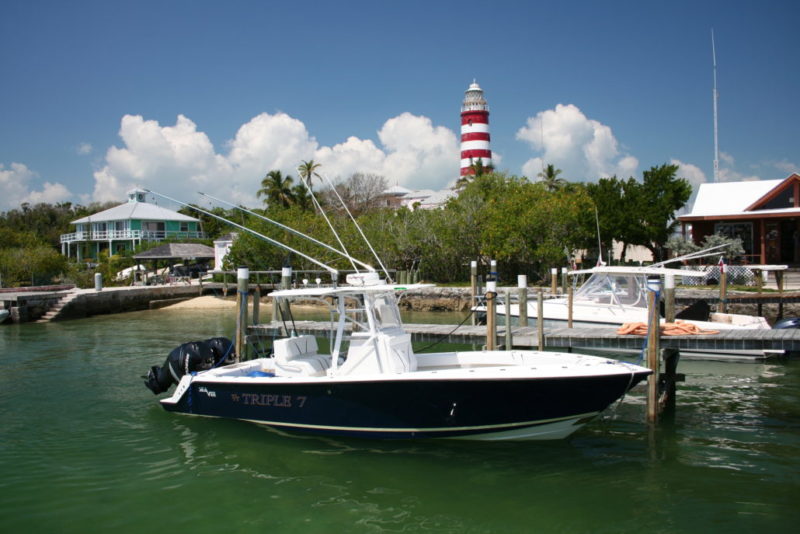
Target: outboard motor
(188, 358)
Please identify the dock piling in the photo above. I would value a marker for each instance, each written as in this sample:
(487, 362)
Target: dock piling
(540, 319)
(653, 336)
(522, 285)
(509, 335)
(242, 277)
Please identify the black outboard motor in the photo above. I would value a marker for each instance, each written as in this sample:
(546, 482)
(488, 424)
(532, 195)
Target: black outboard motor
(189, 358)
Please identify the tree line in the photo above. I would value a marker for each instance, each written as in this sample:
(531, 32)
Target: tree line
(527, 225)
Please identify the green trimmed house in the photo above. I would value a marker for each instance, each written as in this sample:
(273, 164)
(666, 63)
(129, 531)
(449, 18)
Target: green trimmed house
(126, 226)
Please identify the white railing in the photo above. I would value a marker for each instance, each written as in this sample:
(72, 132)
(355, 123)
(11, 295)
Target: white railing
(143, 235)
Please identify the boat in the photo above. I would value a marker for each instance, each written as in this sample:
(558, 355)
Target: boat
(369, 383)
(615, 295)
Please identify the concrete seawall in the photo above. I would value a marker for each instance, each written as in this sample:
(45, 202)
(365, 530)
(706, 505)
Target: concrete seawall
(116, 300)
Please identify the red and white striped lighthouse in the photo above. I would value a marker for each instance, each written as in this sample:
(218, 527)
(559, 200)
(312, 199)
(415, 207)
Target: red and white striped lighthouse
(474, 130)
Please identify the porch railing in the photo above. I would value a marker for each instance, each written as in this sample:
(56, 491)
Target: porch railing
(143, 235)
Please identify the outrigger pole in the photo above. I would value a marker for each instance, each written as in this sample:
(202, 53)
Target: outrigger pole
(352, 260)
(328, 268)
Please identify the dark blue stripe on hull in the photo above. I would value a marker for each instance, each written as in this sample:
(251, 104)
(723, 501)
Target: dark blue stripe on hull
(407, 408)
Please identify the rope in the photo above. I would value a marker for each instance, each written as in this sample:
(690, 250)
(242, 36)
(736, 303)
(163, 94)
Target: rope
(445, 336)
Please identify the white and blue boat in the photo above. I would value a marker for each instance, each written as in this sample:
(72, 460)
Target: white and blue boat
(370, 383)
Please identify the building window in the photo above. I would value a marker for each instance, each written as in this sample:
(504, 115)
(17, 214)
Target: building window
(184, 227)
(743, 231)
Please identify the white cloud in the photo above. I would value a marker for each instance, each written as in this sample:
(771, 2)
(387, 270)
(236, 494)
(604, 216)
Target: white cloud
(15, 188)
(787, 166)
(180, 160)
(690, 172)
(584, 149)
(728, 172)
(84, 148)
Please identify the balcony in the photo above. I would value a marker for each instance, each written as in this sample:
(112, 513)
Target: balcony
(141, 235)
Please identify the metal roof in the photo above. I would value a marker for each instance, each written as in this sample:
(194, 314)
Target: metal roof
(135, 210)
(729, 198)
(169, 251)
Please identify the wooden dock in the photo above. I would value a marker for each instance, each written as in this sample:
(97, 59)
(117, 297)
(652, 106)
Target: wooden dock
(597, 338)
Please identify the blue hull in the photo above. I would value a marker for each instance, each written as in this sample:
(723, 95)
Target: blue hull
(408, 408)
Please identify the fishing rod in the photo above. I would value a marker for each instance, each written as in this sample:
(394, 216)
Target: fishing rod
(296, 232)
(328, 268)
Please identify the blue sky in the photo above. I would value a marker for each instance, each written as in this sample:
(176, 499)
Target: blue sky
(181, 96)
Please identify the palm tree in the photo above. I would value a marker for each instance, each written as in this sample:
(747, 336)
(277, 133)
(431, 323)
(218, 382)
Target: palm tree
(277, 189)
(550, 178)
(308, 170)
(301, 197)
(478, 170)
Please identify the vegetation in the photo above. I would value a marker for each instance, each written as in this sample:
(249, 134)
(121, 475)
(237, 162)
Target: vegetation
(528, 226)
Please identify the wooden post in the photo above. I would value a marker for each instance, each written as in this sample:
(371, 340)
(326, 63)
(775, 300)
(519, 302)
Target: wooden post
(242, 276)
(570, 299)
(509, 338)
(779, 282)
(257, 304)
(491, 316)
(286, 278)
(522, 297)
(564, 280)
(224, 284)
(473, 284)
(760, 288)
(554, 281)
(540, 319)
(653, 334)
(723, 290)
(669, 298)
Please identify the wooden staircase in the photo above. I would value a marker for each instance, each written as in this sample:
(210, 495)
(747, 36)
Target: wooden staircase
(53, 313)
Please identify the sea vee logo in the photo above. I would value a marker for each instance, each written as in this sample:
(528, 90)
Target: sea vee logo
(266, 399)
(212, 394)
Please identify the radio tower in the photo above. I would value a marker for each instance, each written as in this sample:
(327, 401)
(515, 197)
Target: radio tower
(475, 131)
(715, 96)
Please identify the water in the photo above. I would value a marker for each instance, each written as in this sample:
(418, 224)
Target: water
(85, 447)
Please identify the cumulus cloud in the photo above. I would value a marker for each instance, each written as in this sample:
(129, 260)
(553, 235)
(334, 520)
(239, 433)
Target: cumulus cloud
(584, 149)
(690, 172)
(180, 160)
(15, 188)
(728, 172)
(787, 166)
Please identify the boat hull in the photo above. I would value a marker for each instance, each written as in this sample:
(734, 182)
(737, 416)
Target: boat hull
(514, 409)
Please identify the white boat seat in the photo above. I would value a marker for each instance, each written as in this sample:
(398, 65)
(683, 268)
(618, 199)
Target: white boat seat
(297, 356)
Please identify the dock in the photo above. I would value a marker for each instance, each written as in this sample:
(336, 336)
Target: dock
(592, 338)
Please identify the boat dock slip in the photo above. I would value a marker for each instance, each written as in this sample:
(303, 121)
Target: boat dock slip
(592, 338)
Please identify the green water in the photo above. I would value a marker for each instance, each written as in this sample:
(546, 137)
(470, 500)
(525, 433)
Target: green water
(85, 447)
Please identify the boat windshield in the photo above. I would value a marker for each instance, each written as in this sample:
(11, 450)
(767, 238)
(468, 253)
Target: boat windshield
(614, 289)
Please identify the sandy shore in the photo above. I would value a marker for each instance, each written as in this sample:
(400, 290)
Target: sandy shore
(201, 303)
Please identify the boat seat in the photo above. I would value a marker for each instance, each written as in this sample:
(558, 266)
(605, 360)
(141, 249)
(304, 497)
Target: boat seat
(297, 356)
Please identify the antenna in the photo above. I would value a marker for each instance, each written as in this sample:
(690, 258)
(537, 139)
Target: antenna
(715, 95)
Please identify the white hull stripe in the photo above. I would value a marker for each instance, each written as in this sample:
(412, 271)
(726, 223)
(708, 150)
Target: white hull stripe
(419, 430)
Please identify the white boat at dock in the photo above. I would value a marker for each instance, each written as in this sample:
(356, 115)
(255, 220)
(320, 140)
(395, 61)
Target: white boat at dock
(370, 383)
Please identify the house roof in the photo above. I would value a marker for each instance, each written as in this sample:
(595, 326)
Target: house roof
(729, 198)
(397, 190)
(170, 251)
(135, 210)
(736, 200)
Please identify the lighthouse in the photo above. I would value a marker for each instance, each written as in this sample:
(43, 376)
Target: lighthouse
(474, 130)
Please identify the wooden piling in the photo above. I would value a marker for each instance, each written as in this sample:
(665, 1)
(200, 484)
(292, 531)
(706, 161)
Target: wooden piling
(540, 319)
(779, 283)
(509, 339)
(491, 316)
(653, 335)
(554, 281)
(286, 278)
(522, 297)
(723, 290)
(242, 277)
(669, 298)
(760, 290)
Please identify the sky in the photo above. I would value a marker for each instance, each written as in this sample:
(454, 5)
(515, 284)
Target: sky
(179, 96)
